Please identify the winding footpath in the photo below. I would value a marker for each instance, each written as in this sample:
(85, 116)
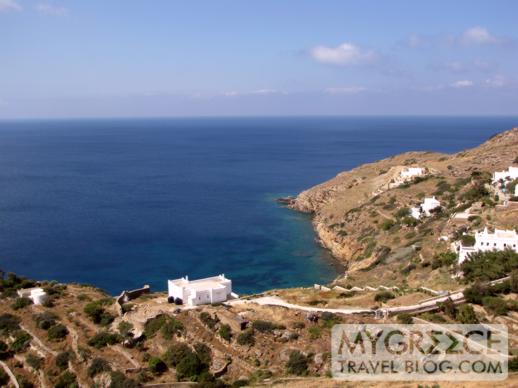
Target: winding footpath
(430, 304)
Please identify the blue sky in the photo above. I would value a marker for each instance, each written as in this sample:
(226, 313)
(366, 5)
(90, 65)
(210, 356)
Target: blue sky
(203, 58)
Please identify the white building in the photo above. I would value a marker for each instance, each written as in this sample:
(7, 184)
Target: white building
(516, 191)
(425, 208)
(485, 241)
(510, 174)
(215, 289)
(411, 172)
(36, 294)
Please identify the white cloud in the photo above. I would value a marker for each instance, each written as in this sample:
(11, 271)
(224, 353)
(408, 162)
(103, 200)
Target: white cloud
(344, 54)
(345, 90)
(9, 5)
(455, 66)
(415, 41)
(258, 92)
(465, 83)
(497, 81)
(50, 9)
(478, 35)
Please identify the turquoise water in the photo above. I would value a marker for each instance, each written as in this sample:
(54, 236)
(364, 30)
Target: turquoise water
(122, 203)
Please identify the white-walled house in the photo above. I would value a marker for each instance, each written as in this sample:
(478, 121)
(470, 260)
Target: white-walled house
(425, 208)
(215, 289)
(36, 294)
(485, 241)
(411, 172)
(510, 174)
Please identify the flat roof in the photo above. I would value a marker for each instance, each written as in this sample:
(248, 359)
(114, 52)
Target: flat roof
(201, 284)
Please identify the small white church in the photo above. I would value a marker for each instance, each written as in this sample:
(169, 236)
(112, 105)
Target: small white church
(412, 172)
(485, 241)
(510, 174)
(425, 208)
(215, 289)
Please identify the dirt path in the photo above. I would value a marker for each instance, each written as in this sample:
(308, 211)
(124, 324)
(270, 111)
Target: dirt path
(10, 374)
(126, 355)
(276, 301)
(38, 342)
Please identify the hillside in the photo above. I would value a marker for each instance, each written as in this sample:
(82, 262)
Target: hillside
(355, 214)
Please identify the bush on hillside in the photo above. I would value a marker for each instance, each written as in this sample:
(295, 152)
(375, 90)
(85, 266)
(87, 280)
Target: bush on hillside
(98, 365)
(266, 326)
(297, 364)
(246, 337)
(20, 303)
(62, 360)
(21, 341)
(489, 265)
(9, 323)
(384, 296)
(57, 332)
(225, 332)
(466, 314)
(104, 338)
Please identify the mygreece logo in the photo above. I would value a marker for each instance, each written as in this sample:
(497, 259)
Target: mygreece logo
(420, 352)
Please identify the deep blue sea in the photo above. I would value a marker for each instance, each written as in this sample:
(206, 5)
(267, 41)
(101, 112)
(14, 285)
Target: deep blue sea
(122, 203)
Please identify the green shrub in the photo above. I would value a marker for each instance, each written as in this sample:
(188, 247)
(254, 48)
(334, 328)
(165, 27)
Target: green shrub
(208, 320)
(156, 365)
(466, 314)
(315, 332)
(246, 337)
(225, 332)
(20, 303)
(387, 224)
(9, 323)
(21, 341)
(168, 326)
(119, 380)
(45, 320)
(402, 213)
(189, 367)
(513, 281)
(34, 362)
(495, 305)
(171, 328)
(125, 328)
(467, 240)
(96, 312)
(57, 332)
(266, 326)
(405, 318)
(104, 338)
(62, 360)
(448, 307)
(67, 380)
(203, 352)
(330, 319)
(410, 221)
(444, 259)
(489, 265)
(175, 353)
(297, 364)
(383, 296)
(98, 365)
